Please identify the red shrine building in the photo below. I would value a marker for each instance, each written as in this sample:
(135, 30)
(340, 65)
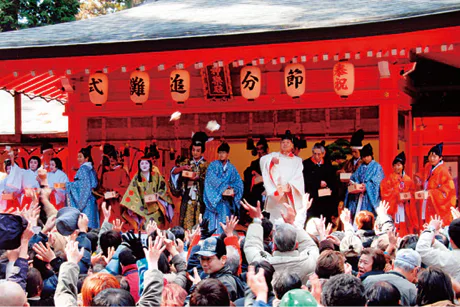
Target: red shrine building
(257, 68)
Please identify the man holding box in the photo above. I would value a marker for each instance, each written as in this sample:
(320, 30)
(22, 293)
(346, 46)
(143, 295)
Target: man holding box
(364, 189)
(187, 181)
(398, 190)
(283, 181)
(223, 189)
(319, 177)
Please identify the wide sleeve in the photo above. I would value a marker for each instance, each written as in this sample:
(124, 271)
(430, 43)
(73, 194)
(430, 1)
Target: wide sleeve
(132, 198)
(238, 187)
(442, 193)
(123, 181)
(269, 182)
(14, 179)
(389, 191)
(214, 186)
(80, 190)
(372, 180)
(60, 178)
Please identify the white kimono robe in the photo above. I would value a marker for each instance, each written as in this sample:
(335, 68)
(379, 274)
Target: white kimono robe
(287, 172)
(21, 179)
(57, 177)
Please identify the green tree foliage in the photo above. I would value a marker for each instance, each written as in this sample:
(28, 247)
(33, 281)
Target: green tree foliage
(19, 14)
(93, 8)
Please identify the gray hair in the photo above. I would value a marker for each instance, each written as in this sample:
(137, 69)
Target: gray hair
(406, 267)
(318, 146)
(285, 237)
(233, 259)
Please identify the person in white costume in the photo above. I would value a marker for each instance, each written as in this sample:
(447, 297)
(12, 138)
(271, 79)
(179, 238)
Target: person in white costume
(283, 181)
(25, 179)
(57, 176)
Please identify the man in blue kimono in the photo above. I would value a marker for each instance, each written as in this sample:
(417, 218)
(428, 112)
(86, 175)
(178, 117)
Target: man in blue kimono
(368, 175)
(223, 189)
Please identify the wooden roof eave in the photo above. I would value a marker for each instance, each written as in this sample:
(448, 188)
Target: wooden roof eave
(425, 22)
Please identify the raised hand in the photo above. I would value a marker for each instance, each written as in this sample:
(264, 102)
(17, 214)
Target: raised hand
(383, 208)
(205, 232)
(151, 227)
(307, 201)
(229, 225)
(171, 247)
(257, 283)
(195, 279)
(254, 212)
(134, 243)
(321, 228)
(106, 211)
(455, 213)
(49, 225)
(83, 223)
(118, 225)
(345, 216)
(32, 214)
(44, 253)
(436, 222)
(73, 254)
(154, 251)
(289, 216)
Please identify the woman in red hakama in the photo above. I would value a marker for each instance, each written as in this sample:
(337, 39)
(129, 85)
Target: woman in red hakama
(398, 190)
(440, 187)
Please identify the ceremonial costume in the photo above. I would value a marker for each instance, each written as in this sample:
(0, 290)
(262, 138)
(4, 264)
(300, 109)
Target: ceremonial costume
(57, 197)
(141, 186)
(441, 190)
(286, 175)
(371, 175)
(190, 189)
(7, 187)
(116, 179)
(313, 173)
(254, 189)
(220, 176)
(24, 179)
(79, 193)
(403, 211)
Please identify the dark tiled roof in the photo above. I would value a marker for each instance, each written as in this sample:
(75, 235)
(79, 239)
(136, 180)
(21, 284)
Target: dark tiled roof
(167, 19)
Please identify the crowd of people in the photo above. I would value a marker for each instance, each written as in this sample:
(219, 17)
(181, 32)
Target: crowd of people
(102, 240)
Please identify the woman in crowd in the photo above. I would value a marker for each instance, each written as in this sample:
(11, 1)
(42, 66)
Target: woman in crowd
(147, 197)
(79, 192)
(56, 181)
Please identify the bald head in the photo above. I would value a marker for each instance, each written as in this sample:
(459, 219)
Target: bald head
(11, 294)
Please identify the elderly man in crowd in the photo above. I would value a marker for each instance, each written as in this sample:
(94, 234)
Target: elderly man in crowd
(295, 251)
(403, 276)
(435, 253)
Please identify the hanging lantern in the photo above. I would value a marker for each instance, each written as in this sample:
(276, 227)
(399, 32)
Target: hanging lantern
(251, 82)
(344, 78)
(98, 88)
(294, 80)
(139, 86)
(179, 85)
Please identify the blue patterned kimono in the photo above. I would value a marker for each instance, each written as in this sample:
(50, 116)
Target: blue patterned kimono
(371, 175)
(218, 179)
(80, 196)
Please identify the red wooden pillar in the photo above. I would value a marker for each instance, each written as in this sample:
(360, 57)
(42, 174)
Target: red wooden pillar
(408, 133)
(17, 117)
(388, 131)
(74, 133)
